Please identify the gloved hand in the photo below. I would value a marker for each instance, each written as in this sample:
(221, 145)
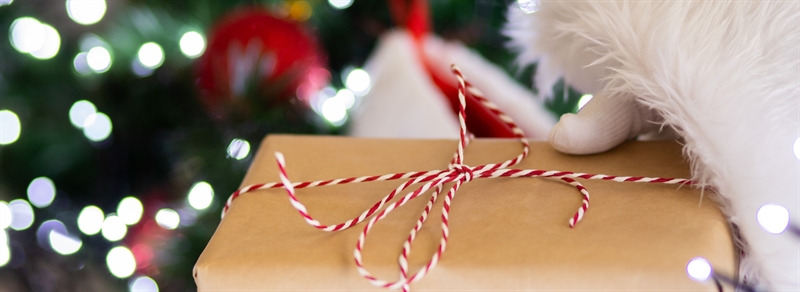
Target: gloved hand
(604, 122)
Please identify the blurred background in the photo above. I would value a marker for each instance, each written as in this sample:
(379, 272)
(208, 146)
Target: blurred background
(125, 124)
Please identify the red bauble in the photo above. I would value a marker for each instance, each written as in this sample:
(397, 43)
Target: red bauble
(252, 49)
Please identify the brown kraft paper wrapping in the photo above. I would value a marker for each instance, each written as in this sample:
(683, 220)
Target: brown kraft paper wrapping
(505, 233)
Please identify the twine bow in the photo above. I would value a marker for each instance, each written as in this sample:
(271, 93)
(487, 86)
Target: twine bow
(457, 172)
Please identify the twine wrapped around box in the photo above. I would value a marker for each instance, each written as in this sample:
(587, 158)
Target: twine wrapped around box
(456, 172)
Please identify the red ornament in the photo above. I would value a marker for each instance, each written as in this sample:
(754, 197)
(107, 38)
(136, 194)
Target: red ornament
(252, 49)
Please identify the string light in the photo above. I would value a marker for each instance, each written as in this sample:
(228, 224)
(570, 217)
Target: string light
(151, 55)
(143, 284)
(358, 81)
(192, 44)
(81, 64)
(168, 218)
(90, 220)
(340, 4)
(529, 6)
(86, 12)
(300, 10)
(584, 100)
(699, 269)
(97, 127)
(334, 110)
(3, 3)
(27, 34)
(347, 98)
(113, 228)
(50, 45)
(201, 195)
(121, 262)
(79, 111)
(41, 192)
(64, 244)
(5, 252)
(773, 218)
(98, 59)
(130, 210)
(10, 127)
(21, 214)
(238, 149)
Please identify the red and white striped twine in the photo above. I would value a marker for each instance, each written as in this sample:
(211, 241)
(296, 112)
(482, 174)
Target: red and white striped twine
(457, 172)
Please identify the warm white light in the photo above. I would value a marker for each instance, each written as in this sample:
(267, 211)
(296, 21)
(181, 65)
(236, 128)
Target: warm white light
(151, 55)
(97, 127)
(796, 148)
(357, 81)
(143, 284)
(130, 210)
(529, 6)
(334, 111)
(5, 216)
(201, 195)
(113, 228)
(79, 111)
(773, 218)
(340, 4)
(347, 98)
(699, 269)
(238, 149)
(21, 214)
(41, 192)
(90, 220)
(63, 243)
(27, 34)
(192, 44)
(98, 59)
(50, 45)
(9, 127)
(121, 262)
(168, 218)
(5, 254)
(584, 100)
(86, 12)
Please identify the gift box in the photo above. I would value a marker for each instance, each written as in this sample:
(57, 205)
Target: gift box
(504, 233)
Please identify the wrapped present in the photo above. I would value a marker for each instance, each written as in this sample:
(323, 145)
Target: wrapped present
(502, 228)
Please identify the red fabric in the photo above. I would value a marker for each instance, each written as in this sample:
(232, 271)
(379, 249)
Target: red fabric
(414, 15)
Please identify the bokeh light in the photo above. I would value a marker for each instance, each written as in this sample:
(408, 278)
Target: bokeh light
(151, 55)
(334, 110)
(143, 284)
(358, 81)
(26, 34)
(41, 192)
(340, 4)
(120, 262)
(6, 2)
(50, 45)
(201, 195)
(21, 214)
(63, 243)
(238, 149)
(113, 228)
(81, 65)
(90, 220)
(168, 218)
(130, 210)
(347, 98)
(98, 59)
(5, 253)
(5, 215)
(10, 127)
(86, 12)
(796, 148)
(773, 218)
(192, 44)
(699, 269)
(139, 69)
(584, 100)
(43, 232)
(97, 127)
(79, 111)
